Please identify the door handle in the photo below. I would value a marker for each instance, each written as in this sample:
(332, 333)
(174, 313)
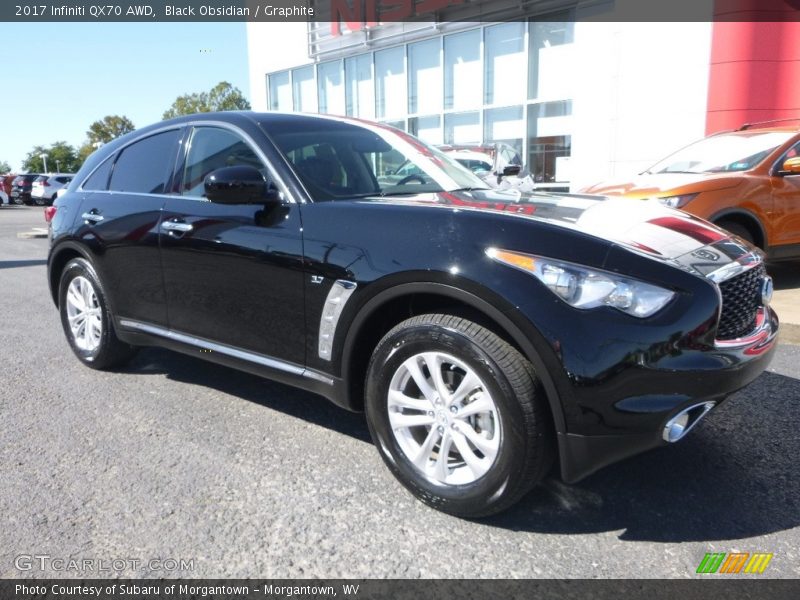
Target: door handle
(176, 226)
(93, 216)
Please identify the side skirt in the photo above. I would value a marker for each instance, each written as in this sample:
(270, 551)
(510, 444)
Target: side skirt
(138, 333)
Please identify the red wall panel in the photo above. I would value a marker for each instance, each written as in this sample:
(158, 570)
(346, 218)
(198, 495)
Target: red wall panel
(755, 72)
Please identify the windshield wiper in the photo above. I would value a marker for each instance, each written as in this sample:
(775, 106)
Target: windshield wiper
(414, 193)
(470, 189)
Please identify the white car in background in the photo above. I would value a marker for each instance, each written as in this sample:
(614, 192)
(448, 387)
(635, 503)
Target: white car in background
(4, 198)
(46, 187)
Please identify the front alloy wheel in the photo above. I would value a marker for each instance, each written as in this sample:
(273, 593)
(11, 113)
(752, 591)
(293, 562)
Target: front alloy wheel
(443, 418)
(457, 415)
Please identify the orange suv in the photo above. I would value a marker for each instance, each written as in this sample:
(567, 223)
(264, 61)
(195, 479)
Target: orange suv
(746, 181)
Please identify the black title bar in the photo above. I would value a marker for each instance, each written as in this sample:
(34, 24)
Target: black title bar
(365, 13)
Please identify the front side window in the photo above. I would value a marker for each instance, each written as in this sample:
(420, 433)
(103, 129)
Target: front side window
(792, 152)
(335, 159)
(144, 166)
(213, 148)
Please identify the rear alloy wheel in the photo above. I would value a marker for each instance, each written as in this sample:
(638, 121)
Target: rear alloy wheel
(86, 318)
(456, 415)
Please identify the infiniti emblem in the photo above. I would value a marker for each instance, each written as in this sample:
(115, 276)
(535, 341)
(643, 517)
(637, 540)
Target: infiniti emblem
(766, 290)
(706, 254)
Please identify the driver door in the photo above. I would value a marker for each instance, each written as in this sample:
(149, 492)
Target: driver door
(233, 274)
(786, 206)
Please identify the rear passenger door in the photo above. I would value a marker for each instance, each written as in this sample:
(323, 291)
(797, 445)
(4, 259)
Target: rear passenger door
(121, 212)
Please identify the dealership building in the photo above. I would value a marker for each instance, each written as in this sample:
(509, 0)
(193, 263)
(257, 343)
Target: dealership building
(581, 100)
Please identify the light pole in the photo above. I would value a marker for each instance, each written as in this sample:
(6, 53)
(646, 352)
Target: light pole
(58, 167)
(44, 158)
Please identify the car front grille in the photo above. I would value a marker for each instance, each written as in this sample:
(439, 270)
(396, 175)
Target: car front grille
(741, 298)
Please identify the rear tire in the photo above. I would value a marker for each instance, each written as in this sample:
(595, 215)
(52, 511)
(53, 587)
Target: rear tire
(457, 415)
(87, 319)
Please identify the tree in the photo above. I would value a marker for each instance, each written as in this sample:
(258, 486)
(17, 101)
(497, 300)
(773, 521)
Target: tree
(85, 150)
(5, 167)
(109, 128)
(60, 157)
(222, 96)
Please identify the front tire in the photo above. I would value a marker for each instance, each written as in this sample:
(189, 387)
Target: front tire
(456, 415)
(87, 320)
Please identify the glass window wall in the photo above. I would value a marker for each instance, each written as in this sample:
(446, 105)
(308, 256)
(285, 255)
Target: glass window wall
(425, 77)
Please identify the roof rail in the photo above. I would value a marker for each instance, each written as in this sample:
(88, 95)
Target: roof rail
(749, 125)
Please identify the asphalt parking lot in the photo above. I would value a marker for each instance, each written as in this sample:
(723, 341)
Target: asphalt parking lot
(174, 458)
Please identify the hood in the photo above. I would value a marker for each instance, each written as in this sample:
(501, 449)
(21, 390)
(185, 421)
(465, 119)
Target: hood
(666, 184)
(648, 228)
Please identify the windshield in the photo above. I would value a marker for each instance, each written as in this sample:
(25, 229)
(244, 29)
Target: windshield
(339, 159)
(720, 153)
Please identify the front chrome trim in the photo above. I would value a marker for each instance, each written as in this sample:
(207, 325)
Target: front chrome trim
(338, 295)
(260, 359)
(731, 270)
(761, 333)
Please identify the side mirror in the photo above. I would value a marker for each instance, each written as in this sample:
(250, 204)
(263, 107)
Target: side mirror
(791, 166)
(239, 185)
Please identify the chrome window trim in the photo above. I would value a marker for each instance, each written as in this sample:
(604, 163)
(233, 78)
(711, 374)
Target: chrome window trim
(284, 189)
(118, 150)
(253, 357)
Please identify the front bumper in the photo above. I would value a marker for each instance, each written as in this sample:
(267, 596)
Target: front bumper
(635, 424)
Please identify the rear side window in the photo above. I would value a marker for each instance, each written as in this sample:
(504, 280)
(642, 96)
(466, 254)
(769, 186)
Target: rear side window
(144, 166)
(99, 179)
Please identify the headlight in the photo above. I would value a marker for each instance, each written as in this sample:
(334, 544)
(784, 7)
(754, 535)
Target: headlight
(586, 288)
(677, 201)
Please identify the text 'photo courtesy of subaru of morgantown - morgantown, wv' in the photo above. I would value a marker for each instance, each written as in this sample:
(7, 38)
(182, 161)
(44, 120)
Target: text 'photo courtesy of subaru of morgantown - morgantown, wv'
(489, 335)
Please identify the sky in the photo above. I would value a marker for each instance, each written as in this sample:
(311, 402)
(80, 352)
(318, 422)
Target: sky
(61, 77)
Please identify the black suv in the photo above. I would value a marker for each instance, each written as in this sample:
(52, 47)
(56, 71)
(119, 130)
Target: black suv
(21, 188)
(485, 334)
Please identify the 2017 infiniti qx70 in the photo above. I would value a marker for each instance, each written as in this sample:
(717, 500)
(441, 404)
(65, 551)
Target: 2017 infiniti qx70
(486, 334)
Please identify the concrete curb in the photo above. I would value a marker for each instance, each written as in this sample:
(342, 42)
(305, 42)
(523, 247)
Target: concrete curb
(36, 232)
